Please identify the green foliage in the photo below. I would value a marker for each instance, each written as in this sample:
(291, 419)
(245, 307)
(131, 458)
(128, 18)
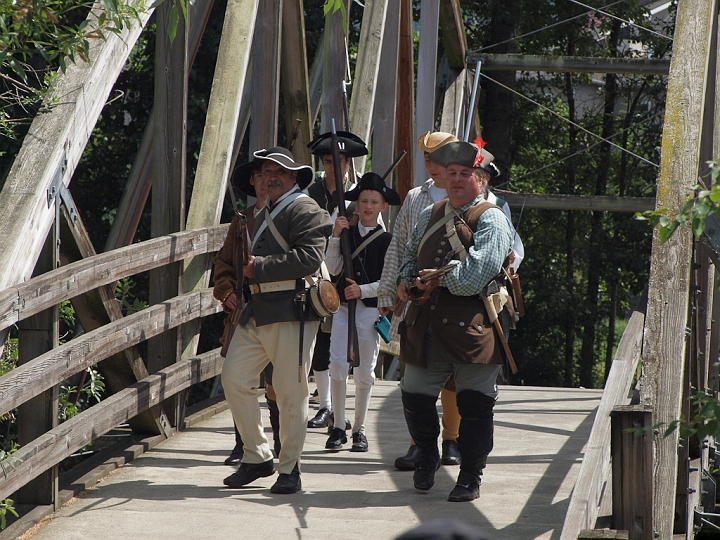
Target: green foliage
(7, 505)
(705, 420)
(129, 303)
(71, 401)
(174, 16)
(9, 358)
(701, 204)
(331, 6)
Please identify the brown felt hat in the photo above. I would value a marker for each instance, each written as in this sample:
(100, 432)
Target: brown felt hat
(465, 154)
(431, 141)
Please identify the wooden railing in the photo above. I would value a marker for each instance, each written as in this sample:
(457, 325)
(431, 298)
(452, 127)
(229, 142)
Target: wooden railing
(47, 370)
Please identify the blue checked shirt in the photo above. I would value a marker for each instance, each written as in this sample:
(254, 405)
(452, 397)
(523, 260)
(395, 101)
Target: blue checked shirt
(493, 240)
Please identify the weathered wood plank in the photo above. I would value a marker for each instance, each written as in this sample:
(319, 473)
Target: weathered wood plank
(453, 113)
(405, 103)
(137, 187)
(590, 484)
(333, 71)
(383, 137)
(574, 64)
(316, 81)
(296, 90)
(606, 203)
(664, 341)
(427, 65)
(216, 150)
(49, 369)
(366, 72)
(77, 278)
(74, 104)
(266, 74)
(453, 32)
(58, 443)
(36, 336)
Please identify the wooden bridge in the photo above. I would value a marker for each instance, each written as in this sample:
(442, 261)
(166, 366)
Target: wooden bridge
(654, 488)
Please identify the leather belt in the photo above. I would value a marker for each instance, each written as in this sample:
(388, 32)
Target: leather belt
(273, 286)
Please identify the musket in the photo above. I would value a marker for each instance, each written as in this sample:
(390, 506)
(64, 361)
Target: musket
(346, 114)
(242, 256)
(353, 348)
(294, 134)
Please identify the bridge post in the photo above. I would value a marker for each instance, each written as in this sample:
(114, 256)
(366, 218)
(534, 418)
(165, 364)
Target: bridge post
(37, 335)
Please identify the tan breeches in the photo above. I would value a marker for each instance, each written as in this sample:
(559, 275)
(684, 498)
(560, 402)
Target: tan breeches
(250, 351)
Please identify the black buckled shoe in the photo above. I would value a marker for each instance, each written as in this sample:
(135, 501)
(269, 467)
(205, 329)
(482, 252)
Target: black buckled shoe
(248, 473)
(336, 439)
(466, 489)
(235, 457)
(407, 462)
(424, 477)
(360, 443)
(287, 483)
(331, 423)
(450, 453)
(321, 419)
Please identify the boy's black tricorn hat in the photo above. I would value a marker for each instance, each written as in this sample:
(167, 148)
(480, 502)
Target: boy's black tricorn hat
(375, 182)
(350, 144)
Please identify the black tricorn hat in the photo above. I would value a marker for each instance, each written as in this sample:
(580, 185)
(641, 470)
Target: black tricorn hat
(465, 154)
(350, 144)
(242, 174)
(283, 157)
(375, 182)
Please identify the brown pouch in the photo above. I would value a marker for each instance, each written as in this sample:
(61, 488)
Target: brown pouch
(517, 293)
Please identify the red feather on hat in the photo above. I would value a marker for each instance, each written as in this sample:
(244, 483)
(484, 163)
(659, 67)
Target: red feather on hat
(480, 142)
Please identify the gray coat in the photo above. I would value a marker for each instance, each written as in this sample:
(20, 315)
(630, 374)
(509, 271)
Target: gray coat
(305, 227)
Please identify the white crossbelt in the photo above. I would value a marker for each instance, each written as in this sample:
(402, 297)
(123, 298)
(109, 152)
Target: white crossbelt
(272, 286)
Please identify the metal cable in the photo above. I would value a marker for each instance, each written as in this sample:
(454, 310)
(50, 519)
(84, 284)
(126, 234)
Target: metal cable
(621, 20)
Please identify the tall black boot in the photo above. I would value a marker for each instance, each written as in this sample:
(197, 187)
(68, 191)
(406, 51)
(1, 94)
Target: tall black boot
(424, 427)
(475, 441)
(274, 423)
(237, 452)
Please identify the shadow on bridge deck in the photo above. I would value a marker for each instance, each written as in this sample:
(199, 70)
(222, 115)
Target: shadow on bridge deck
(175, 490)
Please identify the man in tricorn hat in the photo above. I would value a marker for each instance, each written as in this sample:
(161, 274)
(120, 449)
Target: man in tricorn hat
(322, 190)
(451, 332)
(288, 245)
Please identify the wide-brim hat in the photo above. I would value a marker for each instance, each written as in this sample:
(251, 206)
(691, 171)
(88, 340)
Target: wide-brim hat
(431, 141)
(465, 154)
(350, 144)
(242, 175)
(283, 157)
(374, 182)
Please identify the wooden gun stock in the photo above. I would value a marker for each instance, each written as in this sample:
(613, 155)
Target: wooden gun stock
(242, 256)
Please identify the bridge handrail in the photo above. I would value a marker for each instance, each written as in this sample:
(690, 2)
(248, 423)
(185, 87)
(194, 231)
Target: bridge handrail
(47, 370)
(55, 445)
(590, 484)
(42, 292)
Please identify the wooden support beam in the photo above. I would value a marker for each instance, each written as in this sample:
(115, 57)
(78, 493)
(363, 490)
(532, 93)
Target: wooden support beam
(137, 187)
(98, 307)
(664, 340)
(632, 472)
(593, 203)
(334, 70)
(383, 137)
(452, 29)
(572, 64)
(427, 65)
(51, 448)
(316, 81)
(216, 150)
(38, 335)
(42, 292)
(296, 90)
(405, 104)
(169, 169)
(366, 72)
(453, 112)
(48, 369)
(592, 479)
(57, 137)
(266, 74)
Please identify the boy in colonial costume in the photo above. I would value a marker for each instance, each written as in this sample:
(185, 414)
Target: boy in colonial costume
(368, 244)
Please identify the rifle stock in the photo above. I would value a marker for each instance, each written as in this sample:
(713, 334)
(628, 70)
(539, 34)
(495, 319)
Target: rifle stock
(242, 256)
(353, 349)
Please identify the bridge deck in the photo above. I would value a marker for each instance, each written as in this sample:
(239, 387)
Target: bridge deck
(175, 490)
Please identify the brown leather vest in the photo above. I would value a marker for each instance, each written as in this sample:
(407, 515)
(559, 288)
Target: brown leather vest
(460, 331)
